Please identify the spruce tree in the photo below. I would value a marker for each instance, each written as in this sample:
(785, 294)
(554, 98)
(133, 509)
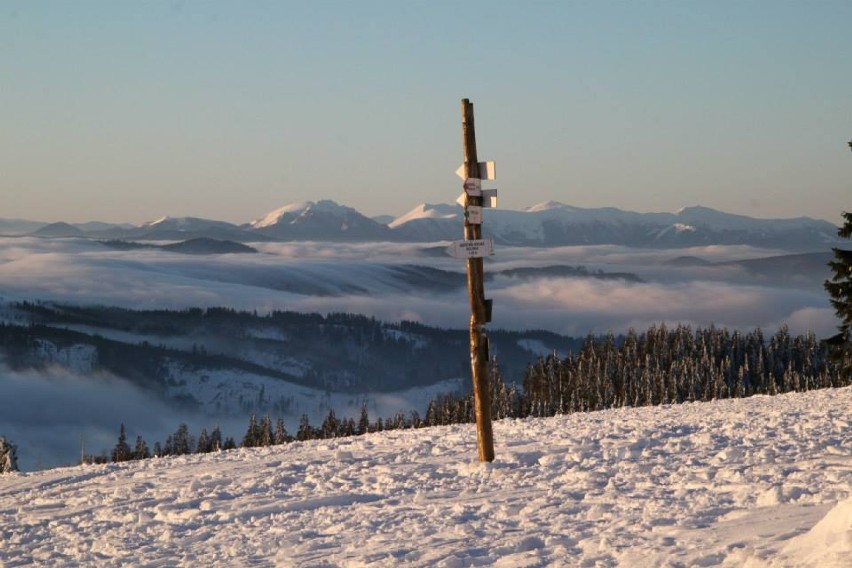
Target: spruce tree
(252, 437)
(141, 452)
(216, 440)
(121, 452)
(265, 433)
(364, 420)
(203, 443)
(839, 287)
(305, 432)
(182, 442)
(281, 435)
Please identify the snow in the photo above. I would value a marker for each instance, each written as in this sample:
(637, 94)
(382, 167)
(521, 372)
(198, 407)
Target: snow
(220, 392)
(538, 347)
(428, 211)
(273, 217)
(294, 210)
(78, 358)
(764, 481)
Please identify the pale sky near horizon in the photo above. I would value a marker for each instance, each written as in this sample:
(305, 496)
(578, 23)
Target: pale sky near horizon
(128, 111)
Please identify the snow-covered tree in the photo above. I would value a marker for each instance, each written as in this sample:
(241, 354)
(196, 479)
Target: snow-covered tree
(281, 435)
(8, 456)
(265, 434)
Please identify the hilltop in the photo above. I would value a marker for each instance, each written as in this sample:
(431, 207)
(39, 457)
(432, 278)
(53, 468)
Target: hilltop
(763, 481)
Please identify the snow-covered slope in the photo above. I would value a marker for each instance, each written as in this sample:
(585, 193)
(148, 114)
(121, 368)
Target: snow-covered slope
(764, 481)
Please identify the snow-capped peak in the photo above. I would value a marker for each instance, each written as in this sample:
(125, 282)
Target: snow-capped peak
(295, 210)
(545, 205)
(427, 211)
(273, 217)
(159, 221)
(182, 223)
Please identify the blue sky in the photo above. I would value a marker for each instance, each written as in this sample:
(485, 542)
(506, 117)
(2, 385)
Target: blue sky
(128, 111)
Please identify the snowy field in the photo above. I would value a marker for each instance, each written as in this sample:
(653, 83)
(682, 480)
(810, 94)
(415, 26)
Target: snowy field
(765, 481)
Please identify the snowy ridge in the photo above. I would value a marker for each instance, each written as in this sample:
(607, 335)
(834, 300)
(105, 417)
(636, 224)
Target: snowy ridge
(428, 211)
(289, 210)
(550, 223)
(764, 481)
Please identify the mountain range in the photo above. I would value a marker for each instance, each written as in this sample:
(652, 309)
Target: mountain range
(546, 224)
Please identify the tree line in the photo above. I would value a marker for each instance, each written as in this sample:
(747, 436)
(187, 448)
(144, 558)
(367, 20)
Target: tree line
(657, 366)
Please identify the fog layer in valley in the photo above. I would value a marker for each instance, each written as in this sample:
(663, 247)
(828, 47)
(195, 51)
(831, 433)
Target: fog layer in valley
(704, 286)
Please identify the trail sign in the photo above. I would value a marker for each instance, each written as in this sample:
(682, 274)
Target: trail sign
(471, 249)
(489, 198)
(473, 187)
(473, 214)
(487, 170)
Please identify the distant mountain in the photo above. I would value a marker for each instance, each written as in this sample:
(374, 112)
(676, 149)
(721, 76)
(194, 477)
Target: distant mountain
(554, 224)
(58, 230)
(179, 229)
(547, 224)
(191, 246)
(15, 227)
(208, 246)
(323, 220)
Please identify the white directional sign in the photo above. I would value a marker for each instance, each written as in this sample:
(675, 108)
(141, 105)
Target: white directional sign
(473, 187)
(489, 198)
(473, 214)
(471, 249)
(487, 170)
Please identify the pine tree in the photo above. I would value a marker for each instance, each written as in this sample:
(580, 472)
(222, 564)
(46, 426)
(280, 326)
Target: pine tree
(839, 287)
(364, 420)
(251, 439)
(215, 440)
(281, 435)
(265, 434)
(203, 442)
(306, 432)
(330, 425)
(8, 456)
(182, 441)
(121, 452)
(141, 451)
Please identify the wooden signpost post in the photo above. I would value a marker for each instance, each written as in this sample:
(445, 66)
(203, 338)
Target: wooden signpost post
(473, 172)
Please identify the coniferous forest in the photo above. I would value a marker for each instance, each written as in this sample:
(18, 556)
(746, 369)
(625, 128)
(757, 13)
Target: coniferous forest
(657, 366)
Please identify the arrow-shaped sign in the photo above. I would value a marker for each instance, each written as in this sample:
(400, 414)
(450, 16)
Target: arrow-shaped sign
(489, 198)
(487, 170)
(471, 249)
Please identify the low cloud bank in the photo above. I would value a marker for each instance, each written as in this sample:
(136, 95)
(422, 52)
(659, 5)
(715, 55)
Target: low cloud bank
(47, 413)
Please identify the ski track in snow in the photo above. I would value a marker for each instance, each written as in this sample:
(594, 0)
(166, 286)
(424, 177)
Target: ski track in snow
(764, 481)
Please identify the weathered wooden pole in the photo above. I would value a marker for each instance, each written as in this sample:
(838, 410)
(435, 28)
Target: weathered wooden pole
(476, 293)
